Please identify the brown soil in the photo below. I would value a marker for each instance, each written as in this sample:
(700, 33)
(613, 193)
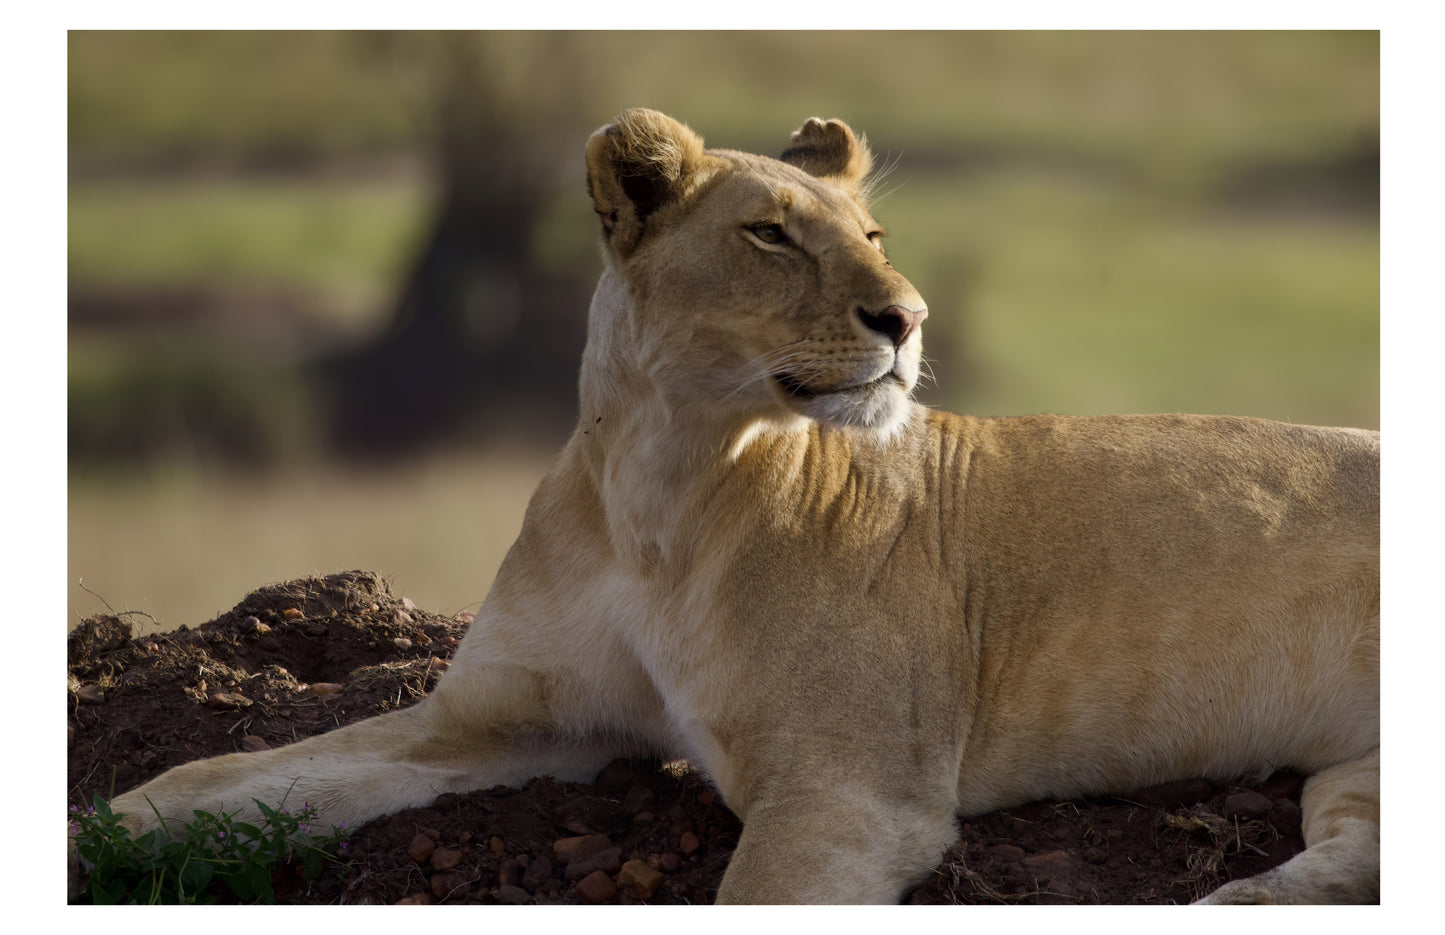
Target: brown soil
(139, 705)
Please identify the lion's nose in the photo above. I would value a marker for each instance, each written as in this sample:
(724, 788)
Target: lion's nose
(895, 322)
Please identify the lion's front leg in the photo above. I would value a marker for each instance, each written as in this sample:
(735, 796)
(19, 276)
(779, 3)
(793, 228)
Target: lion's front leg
(833, 845)
(484, 725)
(1341, 859)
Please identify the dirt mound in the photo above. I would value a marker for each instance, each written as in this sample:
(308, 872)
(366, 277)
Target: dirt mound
(306, 656)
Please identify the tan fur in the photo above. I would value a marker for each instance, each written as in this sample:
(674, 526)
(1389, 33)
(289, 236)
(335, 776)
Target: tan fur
(860, 617)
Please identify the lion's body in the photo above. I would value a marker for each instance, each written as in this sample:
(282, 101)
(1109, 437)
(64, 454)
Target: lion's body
(861, 617)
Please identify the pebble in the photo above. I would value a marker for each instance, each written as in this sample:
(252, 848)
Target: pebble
(1247, 805)
(292, 613)
(1049, 860)
(408, 603)
(250, 623)
(497, 846)
(539, 871)
(509, 895)
(421, 848)
(449, 884)
(1285, 817)
(402, 642)
(1007, 851)
(227, 701)
(669, 862)
(608, 861)
(445, 858)
(581, 847)
(596, 888)
(638, 798)
(326, 689)
(636, 878)
(401, 616)
(688, 843)
(253, 744)
(509, 873)
(90, 694)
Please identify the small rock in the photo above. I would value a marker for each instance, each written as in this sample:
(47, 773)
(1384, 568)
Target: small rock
(638, 798)
(250, 623)
(637, 879)
(1050, 860)
(643, 818)
(596, 888)
(464, 838)
(421, 848)
(373, 607)
(688, 843)
(253, 744)
(90, 694)
(401, 616)
(608, 861)
(1247, 805)
(292, 613)
(497, 846)
(445, 858)
(227, 701)
(402, 643)
(1007, 851)
(466, 617)
(581, 847)
(450, 883)
(509, 873)
(433, 833)
(408, 603)
(539, 871)
(326, 689)
(1285, 816)
(669, 862)
(509, 895)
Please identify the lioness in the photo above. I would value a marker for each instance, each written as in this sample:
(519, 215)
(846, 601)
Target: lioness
(859, 617)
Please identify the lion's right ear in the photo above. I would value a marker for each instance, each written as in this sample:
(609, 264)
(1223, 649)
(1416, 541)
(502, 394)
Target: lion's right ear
(636, 165)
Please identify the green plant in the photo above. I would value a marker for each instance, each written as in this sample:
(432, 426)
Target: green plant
(185, 867)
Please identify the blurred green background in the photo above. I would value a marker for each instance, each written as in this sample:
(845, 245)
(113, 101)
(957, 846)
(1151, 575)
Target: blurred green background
(327, 290)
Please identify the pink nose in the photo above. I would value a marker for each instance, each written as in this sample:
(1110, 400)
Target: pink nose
(895, 322)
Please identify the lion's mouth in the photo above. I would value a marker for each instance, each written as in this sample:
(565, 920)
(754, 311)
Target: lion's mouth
(793, 386)
(798, 390)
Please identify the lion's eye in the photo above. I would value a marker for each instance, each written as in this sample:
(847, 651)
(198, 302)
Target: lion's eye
(769, 233)
(876, 239)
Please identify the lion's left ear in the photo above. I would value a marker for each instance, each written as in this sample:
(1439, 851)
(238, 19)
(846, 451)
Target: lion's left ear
(829, 150)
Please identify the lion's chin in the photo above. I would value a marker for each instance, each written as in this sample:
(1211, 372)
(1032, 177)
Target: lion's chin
(878, 408)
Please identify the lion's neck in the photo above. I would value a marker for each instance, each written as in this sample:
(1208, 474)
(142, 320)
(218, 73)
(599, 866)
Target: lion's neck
(655, 460)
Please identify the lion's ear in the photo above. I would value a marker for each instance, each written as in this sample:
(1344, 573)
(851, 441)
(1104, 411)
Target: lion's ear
(636, 165)
(829, 150)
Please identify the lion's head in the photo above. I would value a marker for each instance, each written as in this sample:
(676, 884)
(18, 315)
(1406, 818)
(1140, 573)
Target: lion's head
(757, 285)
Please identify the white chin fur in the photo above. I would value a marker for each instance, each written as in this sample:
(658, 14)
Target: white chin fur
(880, 409)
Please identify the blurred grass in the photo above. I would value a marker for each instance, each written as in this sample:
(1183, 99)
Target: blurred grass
(341, 243)
(185, 546)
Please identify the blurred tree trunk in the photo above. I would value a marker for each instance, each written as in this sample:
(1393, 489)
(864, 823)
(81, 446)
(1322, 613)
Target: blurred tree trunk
(483, 340)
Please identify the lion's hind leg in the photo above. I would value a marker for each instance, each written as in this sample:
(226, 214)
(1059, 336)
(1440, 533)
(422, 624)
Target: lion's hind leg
(1341, 859)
